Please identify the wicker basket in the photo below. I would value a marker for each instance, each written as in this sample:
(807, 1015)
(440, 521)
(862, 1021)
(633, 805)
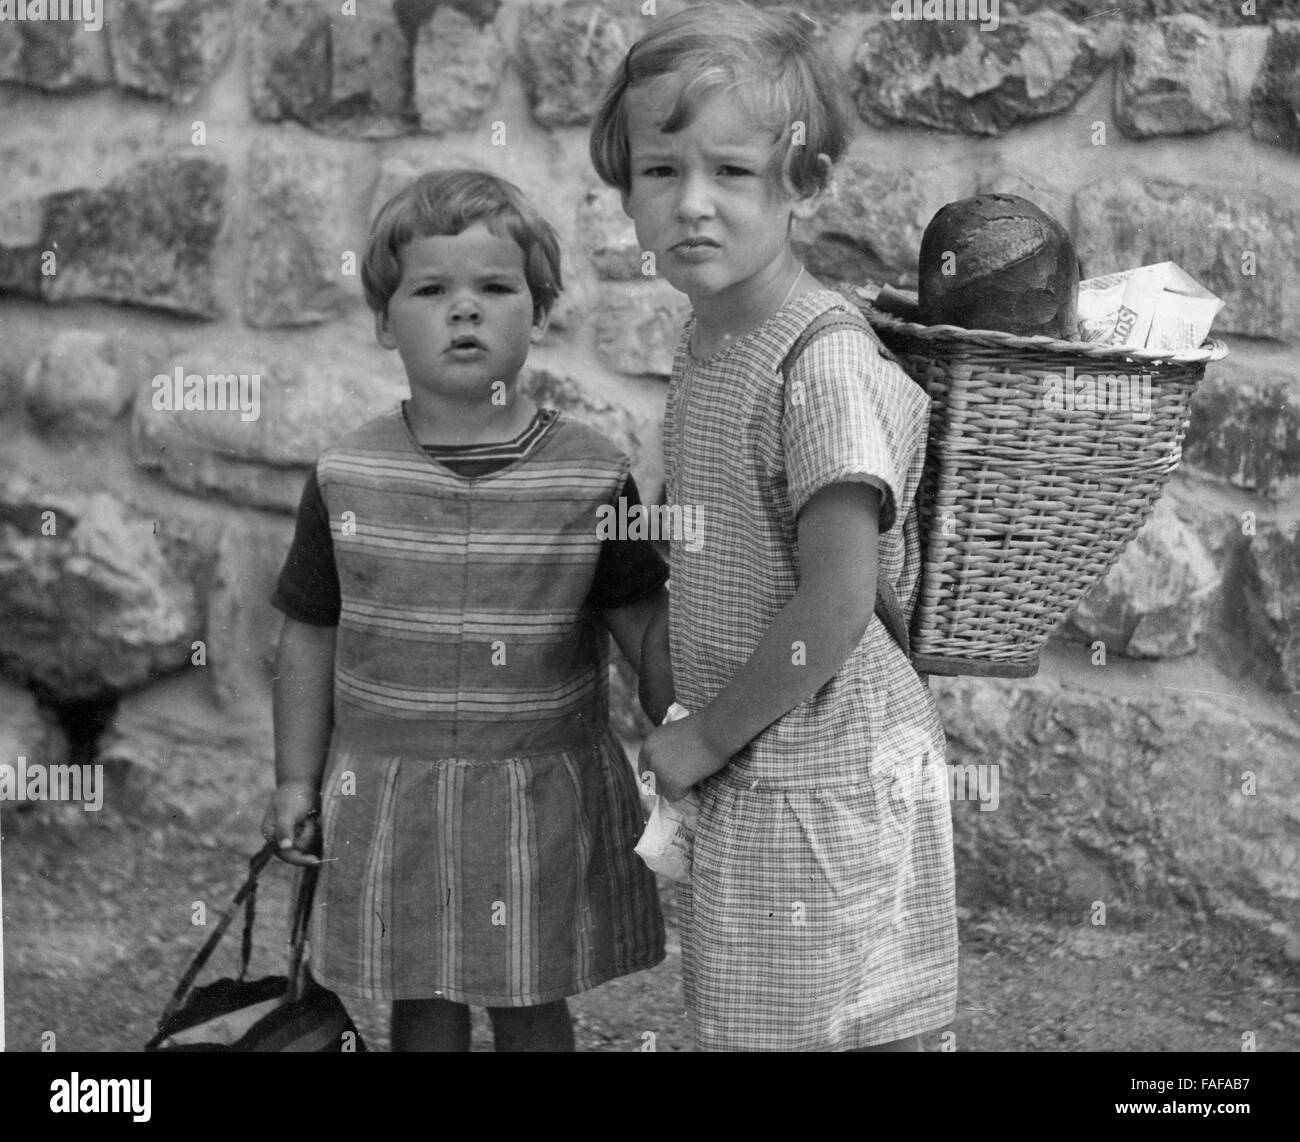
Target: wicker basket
(1030, 495)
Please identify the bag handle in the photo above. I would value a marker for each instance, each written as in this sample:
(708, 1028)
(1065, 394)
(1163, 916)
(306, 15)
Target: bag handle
(298, 930)
(247, 895)
(887, 608)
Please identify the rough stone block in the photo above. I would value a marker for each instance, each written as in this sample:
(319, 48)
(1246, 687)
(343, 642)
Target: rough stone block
(1155, 601)
(1217, 236)
(148, 238)
(1275, 101)
(952, 76)
(171, 48)
(347, 75)
(1135, 800)
(183, 754)
(75, 385)
(55, 55)
(260, 460)
(638, 326)
(457, 70)
(243, 628)
(567, 53)
(89, 605)
(1245, 428)
(606, 235)
(871, 228)
(302, 220)
(1273, 599)
(1173, 79)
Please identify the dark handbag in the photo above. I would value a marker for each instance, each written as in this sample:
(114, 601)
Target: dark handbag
(276, 1013)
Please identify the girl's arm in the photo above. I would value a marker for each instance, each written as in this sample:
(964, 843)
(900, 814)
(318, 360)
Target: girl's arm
(303, 702)
(656, 679)
(641, 631)
(808, 641)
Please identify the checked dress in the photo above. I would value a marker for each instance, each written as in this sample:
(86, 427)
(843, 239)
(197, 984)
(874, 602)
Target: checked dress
(821, 911)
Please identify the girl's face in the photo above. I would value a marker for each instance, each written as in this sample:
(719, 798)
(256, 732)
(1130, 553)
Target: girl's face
(462, 315)
(704, 199)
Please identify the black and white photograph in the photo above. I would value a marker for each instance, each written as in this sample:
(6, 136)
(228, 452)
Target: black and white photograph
(654, 526)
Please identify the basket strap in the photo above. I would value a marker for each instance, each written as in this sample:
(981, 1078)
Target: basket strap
(250, 914)
(247, 891)
(891, 614)
(887, 608)
(824, 322)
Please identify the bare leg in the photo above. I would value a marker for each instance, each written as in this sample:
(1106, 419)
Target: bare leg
(430, 1025)
(544, 1028)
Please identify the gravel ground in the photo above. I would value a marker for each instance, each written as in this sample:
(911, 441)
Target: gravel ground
(97, 931)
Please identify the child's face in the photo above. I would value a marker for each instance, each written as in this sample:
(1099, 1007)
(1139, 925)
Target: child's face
(462, 315)
(703, 198)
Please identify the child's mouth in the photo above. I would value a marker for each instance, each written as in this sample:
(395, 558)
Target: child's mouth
(466, 346)
(696, 244)
(696, 249)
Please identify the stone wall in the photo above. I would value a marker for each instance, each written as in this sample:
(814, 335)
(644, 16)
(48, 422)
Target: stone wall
(188, 189)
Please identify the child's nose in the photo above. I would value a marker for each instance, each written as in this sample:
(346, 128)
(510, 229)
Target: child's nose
(693, 200)
(464, 307)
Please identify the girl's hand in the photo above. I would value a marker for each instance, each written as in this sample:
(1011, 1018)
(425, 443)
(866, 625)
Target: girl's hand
(680, 755)
(290, 819)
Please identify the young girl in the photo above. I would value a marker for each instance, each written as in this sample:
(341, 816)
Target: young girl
(441, 692)
(821, 910)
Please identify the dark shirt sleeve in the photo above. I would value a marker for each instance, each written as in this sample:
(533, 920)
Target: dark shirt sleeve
(308, 588)
(628, 569)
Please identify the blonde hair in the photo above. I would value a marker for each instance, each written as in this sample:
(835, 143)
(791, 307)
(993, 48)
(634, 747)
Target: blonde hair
(769, 59)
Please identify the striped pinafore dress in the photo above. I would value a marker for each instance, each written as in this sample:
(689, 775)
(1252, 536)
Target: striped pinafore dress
(479, 816)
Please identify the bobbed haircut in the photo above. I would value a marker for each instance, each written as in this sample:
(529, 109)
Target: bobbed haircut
(447, 202)
(768, 59)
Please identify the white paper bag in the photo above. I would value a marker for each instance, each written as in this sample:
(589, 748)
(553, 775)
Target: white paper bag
(669, 837)
(1152, 307)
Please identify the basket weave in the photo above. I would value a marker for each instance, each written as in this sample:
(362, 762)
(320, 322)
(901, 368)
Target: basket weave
(1025, 504)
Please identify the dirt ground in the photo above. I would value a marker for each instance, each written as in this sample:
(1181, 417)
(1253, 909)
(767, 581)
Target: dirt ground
(97, 932)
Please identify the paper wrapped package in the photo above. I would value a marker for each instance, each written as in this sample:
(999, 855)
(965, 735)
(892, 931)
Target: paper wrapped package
(1152, 307)
(669, 837)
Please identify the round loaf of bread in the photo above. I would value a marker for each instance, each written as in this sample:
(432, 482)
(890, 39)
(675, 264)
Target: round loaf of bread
(996, 261)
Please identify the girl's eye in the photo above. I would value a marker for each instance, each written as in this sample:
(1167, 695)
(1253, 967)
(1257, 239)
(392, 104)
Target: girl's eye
(499, 287)
(657, 172)
(735, 172)
(428, 289)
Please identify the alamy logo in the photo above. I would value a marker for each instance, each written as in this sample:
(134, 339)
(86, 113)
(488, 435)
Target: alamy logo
(675, 522)
(985, 11)
(217, 392)
(1100, 392)
(950, 783)
(102, 1096)
(89, 13)
(36, 782)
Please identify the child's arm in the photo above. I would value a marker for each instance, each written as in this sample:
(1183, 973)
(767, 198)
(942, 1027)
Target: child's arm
(837, 537)
(641, 631)
(303, 697)
(657, 692)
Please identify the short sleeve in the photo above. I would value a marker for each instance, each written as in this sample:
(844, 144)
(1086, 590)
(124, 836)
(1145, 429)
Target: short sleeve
(628, 569)
(308, 587)
(850, 414)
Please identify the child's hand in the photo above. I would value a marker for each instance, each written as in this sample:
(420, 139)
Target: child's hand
(679, 755)
(290, 819)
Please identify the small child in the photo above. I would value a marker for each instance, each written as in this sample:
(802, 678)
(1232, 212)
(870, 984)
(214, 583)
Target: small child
(441, 694)
(821, 911)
